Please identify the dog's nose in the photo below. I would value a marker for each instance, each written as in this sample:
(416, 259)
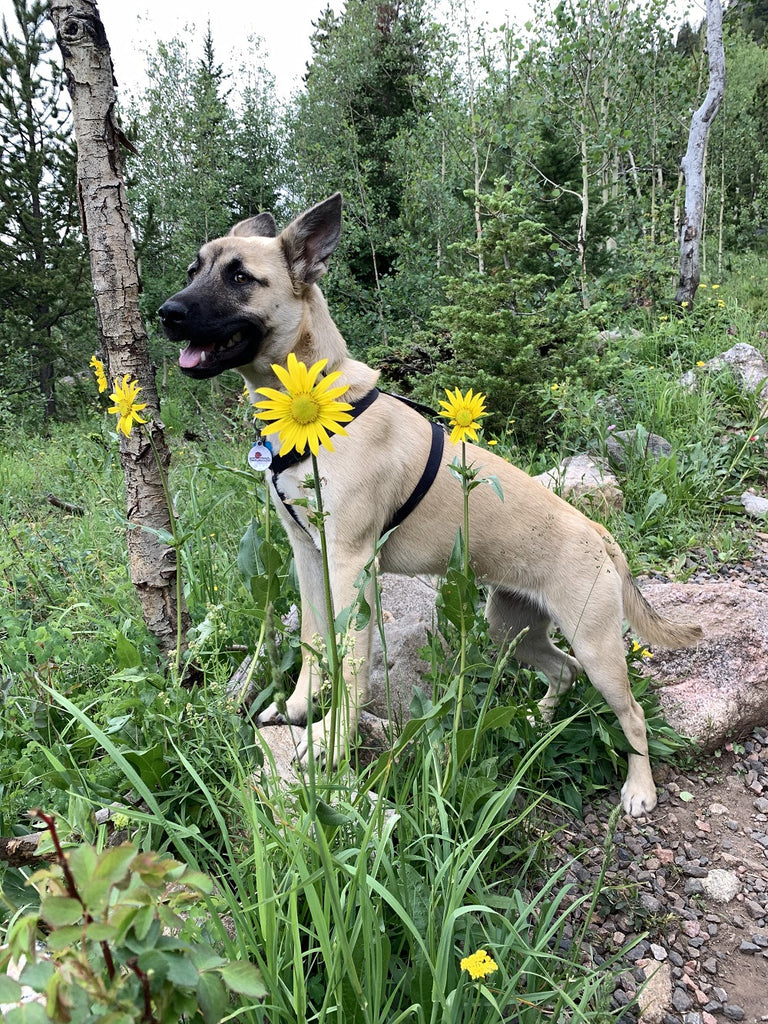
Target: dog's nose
(172, 313)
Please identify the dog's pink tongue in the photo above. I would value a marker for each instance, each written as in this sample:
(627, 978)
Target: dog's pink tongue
(190, 357)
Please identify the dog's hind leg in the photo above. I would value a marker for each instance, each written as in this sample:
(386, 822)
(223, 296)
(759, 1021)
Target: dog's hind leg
(508, 613)
(598, 644)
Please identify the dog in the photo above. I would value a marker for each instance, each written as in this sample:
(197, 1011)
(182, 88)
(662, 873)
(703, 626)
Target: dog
(252, 298)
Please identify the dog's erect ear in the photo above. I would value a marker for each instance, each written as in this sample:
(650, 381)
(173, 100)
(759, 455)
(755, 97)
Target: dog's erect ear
(262, 224)
(310, 239)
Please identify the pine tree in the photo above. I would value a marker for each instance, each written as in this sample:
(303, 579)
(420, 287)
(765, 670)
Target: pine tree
(43, 265)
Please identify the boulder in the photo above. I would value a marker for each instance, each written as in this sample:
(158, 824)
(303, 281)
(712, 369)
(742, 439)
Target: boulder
(585, 483)
(622, 449)
(719, 689)
(408, 611)
(748, 365)
(712, 693)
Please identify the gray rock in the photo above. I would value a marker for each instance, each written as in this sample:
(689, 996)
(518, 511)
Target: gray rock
(721, 885)
(622, 449)
(754, 505)
(586, 483)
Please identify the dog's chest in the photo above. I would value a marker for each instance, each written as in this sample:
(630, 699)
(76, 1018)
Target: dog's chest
(293, 493)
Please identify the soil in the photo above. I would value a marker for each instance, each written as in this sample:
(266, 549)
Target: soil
(692, 882)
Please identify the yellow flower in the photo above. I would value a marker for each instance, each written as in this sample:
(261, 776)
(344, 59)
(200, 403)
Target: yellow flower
(126, 407)
(555, 387)
(307, 412)
(98, 370)
(715, 286)
(479, 964)
(643, 651)
(702, 285)
(720, 303)
(700, 362)
(664, 316)
(492, 443)
(463, 413)
(684, 304)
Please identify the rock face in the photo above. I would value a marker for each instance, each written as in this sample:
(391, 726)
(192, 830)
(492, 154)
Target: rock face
(711, 693)
(720, 689)
(408, 606)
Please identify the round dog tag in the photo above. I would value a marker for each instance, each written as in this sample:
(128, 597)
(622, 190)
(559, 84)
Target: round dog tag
(260, 456)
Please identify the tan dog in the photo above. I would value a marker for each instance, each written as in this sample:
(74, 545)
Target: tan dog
(252, 298)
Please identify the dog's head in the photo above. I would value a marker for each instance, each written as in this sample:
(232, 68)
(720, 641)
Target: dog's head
(245, 292)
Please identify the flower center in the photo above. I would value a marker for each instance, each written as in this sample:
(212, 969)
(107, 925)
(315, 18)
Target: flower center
(304, 409)
(463, 417)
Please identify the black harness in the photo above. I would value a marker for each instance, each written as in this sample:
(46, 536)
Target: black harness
(292, 458)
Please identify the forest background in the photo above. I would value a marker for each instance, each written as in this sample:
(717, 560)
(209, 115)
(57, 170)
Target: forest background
(472, 161)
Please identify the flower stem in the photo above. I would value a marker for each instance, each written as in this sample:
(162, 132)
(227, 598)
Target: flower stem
(333, 650)
(176, 545)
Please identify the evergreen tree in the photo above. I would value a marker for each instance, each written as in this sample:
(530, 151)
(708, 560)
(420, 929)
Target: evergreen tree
(206, 157)
(43, 265)
(364, 86)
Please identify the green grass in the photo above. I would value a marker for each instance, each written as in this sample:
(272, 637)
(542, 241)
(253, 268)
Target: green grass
(357, 895)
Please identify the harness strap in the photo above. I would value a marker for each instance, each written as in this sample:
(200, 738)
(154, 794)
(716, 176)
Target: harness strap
(427, 477)
(293, 458)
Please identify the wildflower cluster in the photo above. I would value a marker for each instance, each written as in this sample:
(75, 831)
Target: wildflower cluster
(479, 965)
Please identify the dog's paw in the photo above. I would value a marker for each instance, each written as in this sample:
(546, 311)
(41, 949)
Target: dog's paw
(317, 748)
(638, 800)
(294, 712)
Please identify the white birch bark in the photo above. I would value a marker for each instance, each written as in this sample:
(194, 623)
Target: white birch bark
(104, 208)
(693, 162)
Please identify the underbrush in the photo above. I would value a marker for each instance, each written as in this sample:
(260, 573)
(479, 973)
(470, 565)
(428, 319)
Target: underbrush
(358, 892)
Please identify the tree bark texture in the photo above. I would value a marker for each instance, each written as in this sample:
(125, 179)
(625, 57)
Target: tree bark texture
(104, 208)
(693, 162)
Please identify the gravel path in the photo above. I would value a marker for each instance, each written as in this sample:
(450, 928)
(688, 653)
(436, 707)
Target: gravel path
(694, 878)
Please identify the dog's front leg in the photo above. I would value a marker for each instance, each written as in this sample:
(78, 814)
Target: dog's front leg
(354, 650)
(309, 570)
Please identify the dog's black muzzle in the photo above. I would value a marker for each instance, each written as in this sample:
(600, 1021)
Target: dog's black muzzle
(216, 340)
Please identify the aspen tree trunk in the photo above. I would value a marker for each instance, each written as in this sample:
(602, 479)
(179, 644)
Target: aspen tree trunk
(693, 162)
(104, 209)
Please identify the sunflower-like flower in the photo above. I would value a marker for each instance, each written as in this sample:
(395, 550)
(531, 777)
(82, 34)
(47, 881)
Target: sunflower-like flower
(126, 408)
(479, 964)
(98, 371)
(463, 413)
(307, 412)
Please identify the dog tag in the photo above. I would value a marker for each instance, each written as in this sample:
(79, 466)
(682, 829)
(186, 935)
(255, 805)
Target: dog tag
(260, 456)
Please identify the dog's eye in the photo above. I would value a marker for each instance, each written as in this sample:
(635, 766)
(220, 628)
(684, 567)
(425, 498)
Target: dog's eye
(241, 277)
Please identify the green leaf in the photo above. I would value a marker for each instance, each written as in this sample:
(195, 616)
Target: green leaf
(495, 484)
(244, 979)
(28, 1013)
(61, 938)
(182, 972)
(59, 911)
(113, 865)
(212, 998)
(328, 815)
(37, 975)
(10, 990)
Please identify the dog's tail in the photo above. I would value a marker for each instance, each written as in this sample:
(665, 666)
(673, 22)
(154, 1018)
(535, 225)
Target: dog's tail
(652, 627)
